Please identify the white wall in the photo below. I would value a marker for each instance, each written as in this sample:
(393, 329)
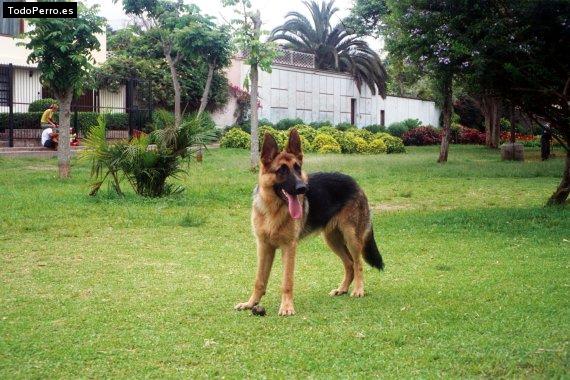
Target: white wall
(112, 102)
(313, 95)
(27, 89)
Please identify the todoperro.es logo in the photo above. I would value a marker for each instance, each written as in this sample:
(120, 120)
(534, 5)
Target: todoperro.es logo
(39, 10)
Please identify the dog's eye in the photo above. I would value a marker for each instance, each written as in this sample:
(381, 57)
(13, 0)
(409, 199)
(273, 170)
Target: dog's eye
(283, 170)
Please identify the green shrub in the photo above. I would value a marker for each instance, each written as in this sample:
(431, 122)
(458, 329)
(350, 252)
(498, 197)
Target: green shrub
(363, 133)
(22, 120)
(266, 122)
(393, 144)
(235, 138)
(323, 139)
(320, 124)
(345, 126)
(398, 129)
(285, 124)
(41, 105)
(329, 148)
(85, 120)
(375, 128)
(347, 142)
(377, 146)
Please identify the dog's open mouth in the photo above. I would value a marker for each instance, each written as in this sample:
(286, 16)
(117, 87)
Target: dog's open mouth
(295, 207)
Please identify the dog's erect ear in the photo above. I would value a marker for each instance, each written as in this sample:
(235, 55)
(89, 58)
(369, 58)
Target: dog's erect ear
(269, 150)
(294, 145)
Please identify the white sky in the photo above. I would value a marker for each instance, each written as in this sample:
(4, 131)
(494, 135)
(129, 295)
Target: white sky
(272, 11)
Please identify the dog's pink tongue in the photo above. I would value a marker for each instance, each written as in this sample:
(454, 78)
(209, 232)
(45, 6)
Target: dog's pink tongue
(295, 209)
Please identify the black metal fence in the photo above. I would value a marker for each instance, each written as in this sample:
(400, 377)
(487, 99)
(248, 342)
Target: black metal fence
(127, 108)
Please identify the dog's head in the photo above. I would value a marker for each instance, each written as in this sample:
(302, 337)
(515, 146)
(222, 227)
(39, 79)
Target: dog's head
(282, 174)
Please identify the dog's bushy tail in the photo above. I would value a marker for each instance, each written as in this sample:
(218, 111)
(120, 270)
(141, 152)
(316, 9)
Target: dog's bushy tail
(371, 253)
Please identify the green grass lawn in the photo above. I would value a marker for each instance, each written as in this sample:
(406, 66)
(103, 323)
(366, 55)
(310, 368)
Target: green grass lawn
(476, 283)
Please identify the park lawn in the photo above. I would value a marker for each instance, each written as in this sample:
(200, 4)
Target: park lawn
(476, 282)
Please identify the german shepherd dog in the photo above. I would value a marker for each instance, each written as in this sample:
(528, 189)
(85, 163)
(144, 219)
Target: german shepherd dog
(288, 205)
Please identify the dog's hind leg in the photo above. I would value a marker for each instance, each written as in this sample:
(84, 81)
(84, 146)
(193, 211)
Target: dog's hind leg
(355, 247)
(336, 243)
(265, 256)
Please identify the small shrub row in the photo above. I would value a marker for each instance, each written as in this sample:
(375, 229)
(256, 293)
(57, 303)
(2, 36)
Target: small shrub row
(85, 120)
(324, 140)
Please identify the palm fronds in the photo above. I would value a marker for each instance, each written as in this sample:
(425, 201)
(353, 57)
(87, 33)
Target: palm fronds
(335, 48)
(148, 160)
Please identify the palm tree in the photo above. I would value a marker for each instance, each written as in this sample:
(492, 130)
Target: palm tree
(335, 48)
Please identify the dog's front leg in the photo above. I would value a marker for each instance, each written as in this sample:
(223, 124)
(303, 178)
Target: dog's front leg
(289, 253)
(265, 256)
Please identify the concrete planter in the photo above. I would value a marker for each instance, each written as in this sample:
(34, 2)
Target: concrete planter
(512, 152)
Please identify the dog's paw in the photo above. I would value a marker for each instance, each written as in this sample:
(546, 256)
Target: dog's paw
(337, 292)
(286, 310)
(244, 306)
(357, 293)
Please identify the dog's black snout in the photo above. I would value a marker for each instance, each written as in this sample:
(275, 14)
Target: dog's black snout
(300, 188)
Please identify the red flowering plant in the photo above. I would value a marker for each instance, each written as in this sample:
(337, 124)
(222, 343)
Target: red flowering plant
(242, 97)
(470, 136)
(506, 137)
(425, 135)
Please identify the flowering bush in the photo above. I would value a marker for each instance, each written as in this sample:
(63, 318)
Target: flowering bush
(422, 136)
(377, 146)
(470, 136)
(393, 144)
(329, 148)
(322, 140)
(325, 140)
(361, 145)
(235, 138)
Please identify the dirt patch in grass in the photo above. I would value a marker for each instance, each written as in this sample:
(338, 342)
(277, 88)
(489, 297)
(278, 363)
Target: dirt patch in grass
(385, 207)
(41, 168)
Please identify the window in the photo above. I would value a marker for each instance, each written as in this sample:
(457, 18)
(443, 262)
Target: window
(4, 85)
(10, 26)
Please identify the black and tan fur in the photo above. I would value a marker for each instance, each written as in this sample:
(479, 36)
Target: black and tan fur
(333, 204)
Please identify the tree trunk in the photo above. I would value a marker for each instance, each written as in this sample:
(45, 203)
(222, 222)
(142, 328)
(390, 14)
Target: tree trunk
(254, 77)
(63, 147)
(206, 93)
(490, 108)
(447, 110)
(561, 194)
(513, 138)
(175, 84)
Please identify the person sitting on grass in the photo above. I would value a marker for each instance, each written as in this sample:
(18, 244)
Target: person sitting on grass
(49, 137)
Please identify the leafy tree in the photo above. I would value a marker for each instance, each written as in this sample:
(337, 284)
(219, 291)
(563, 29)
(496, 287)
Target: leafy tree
(62, 48)
(521, 58)
(430, 35)
(335, 47)
(136, 54)
(206, 41)
(162, 19)
(258, 54)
